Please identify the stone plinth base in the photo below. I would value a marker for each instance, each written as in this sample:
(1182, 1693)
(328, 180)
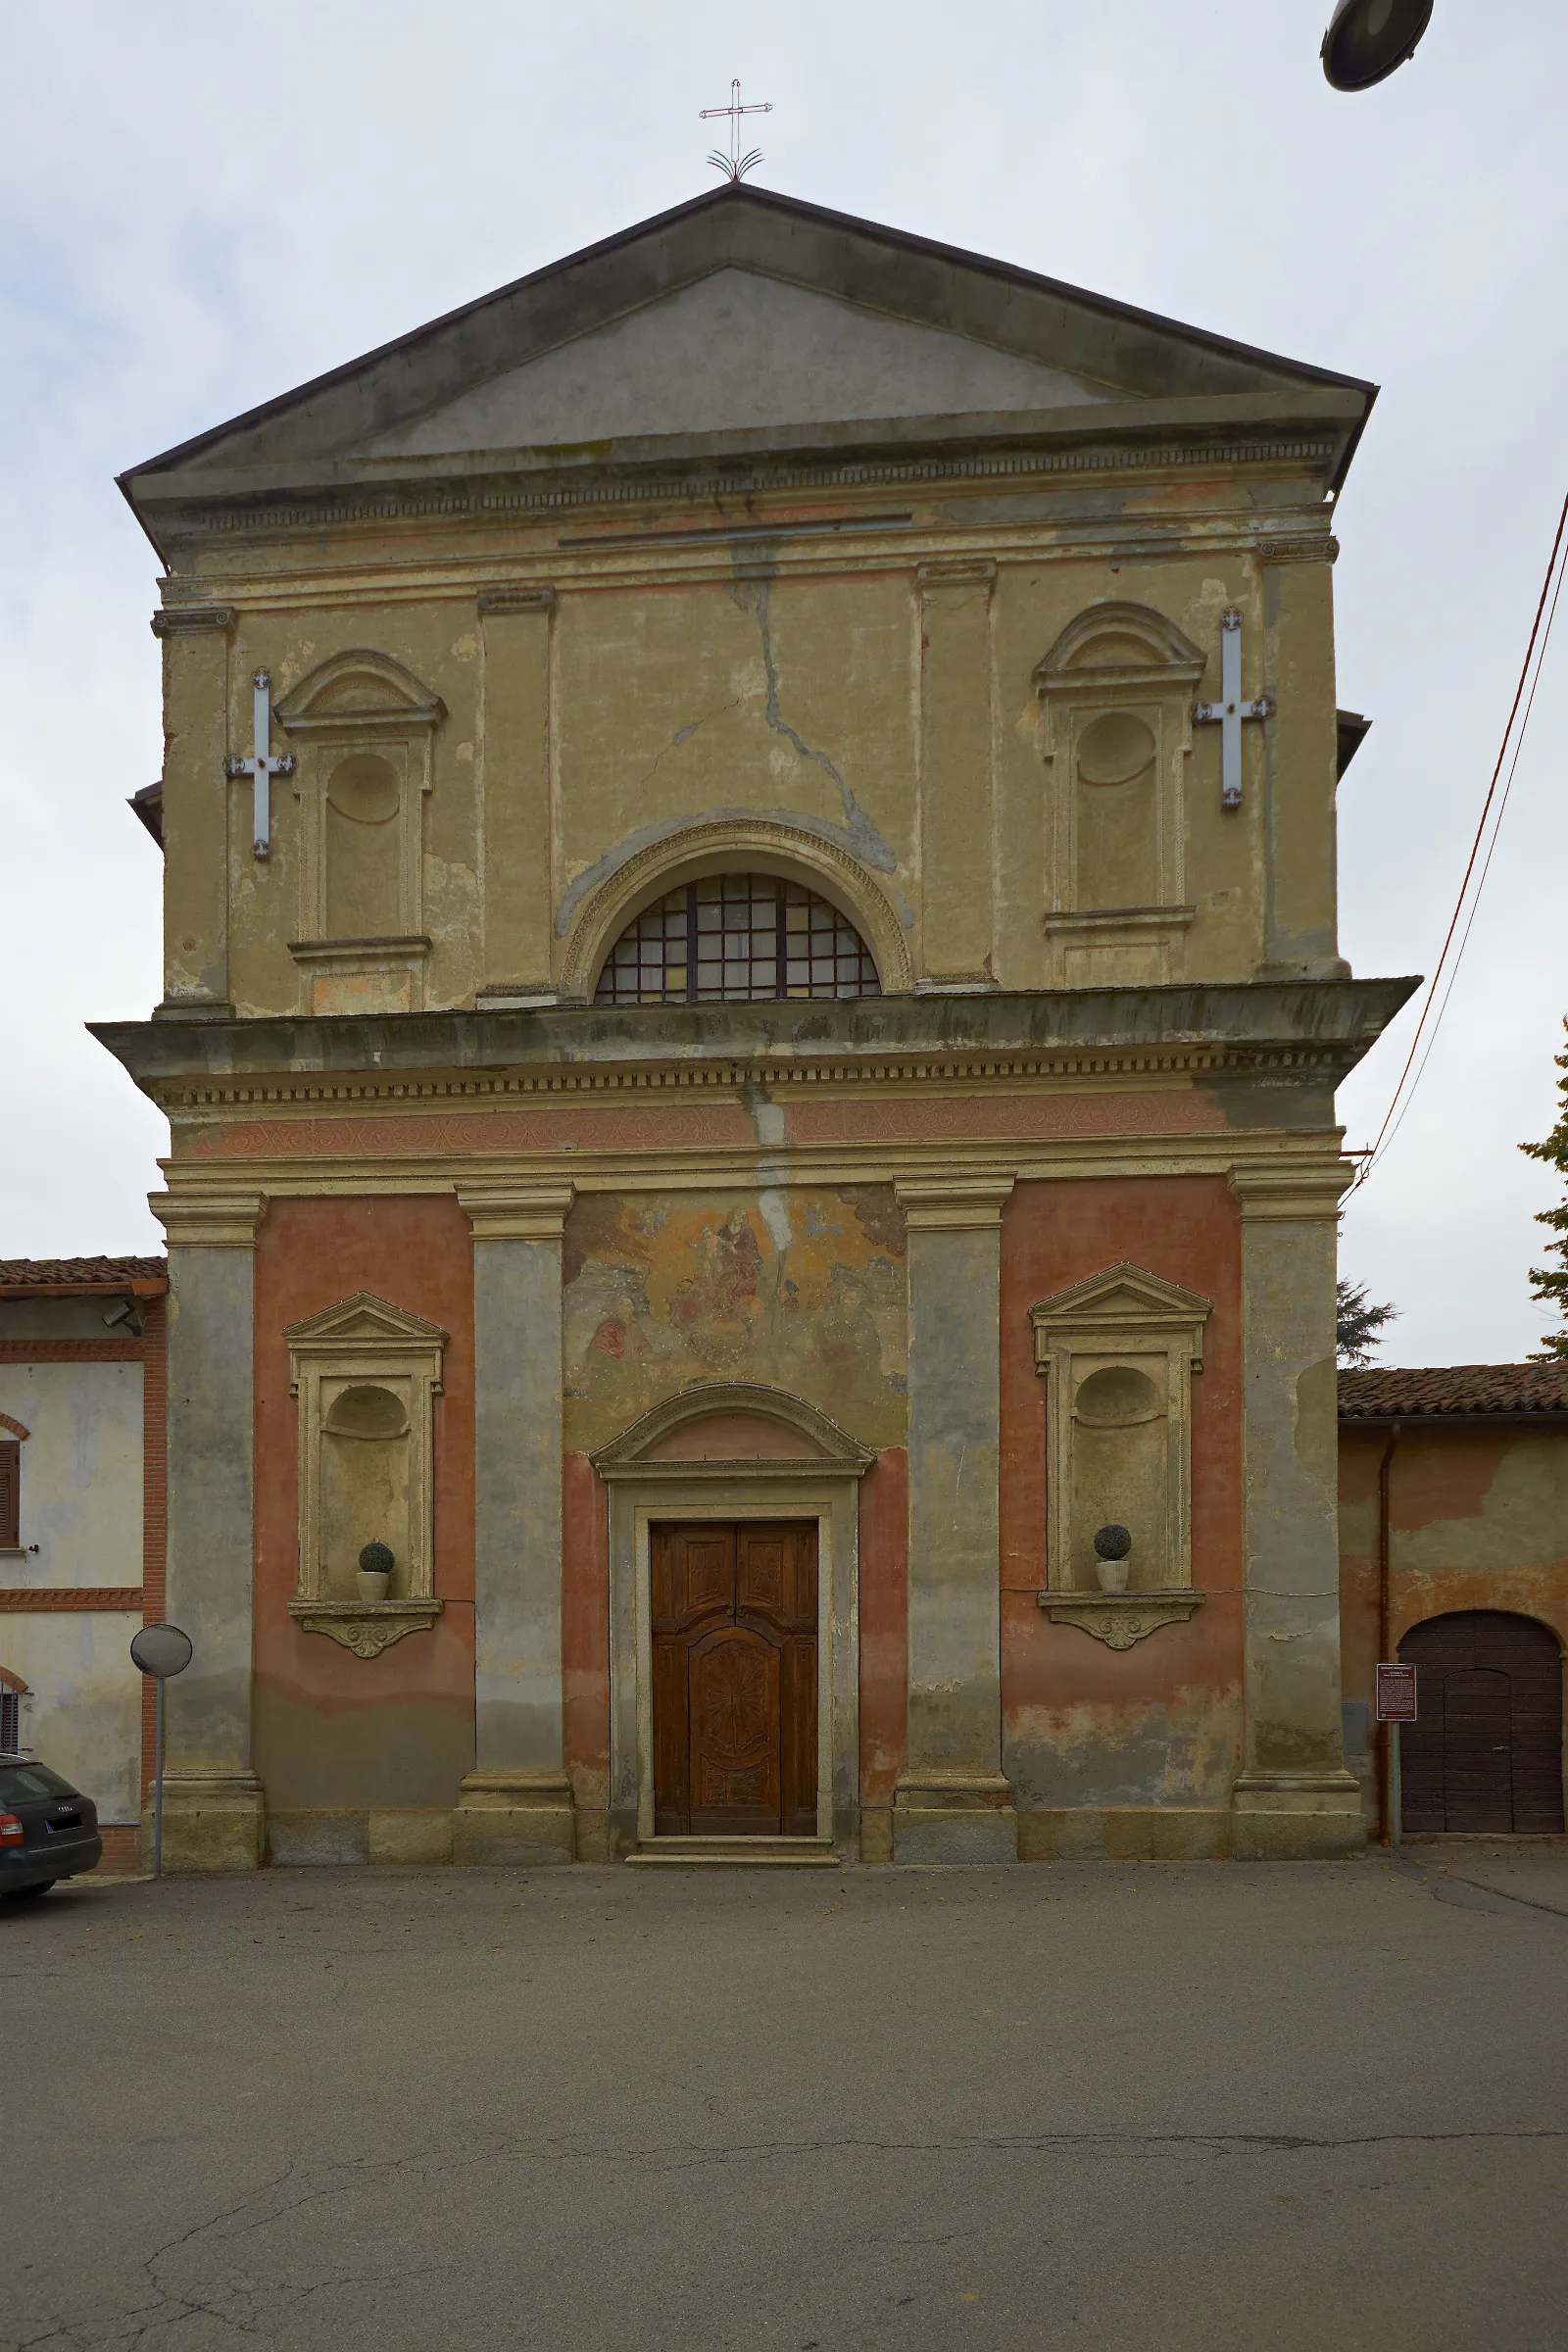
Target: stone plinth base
(1123, 1834)
(212, 1821)
(955, 1817)
(514, 1820)
(404, 1840)
(1297, 1817)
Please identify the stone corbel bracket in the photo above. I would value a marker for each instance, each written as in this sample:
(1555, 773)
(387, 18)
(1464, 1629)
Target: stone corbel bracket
(1119, 1619)
(366, 1627)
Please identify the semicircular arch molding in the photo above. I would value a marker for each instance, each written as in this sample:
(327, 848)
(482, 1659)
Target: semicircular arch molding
(832, 1449)
(357, 689)
(1131, 639)
(736, 846)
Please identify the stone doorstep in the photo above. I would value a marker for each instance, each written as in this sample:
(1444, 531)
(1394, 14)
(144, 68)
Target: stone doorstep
(736, 1853)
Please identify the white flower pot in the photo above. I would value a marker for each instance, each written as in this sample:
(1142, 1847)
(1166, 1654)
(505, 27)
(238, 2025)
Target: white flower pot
(1114, 1575)
(373, 1582)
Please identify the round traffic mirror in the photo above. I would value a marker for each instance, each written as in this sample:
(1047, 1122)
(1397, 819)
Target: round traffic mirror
(161, 1650)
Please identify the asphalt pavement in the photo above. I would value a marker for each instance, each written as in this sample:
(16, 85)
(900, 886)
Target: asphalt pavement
(1314, 2107)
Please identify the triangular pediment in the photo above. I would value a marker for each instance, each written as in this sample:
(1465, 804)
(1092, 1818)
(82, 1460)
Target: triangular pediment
(362, 1317)
(740, 312)
(734, 352)
(1122, 1297)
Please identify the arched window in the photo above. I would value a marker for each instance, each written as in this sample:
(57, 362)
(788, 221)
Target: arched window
(741, 937)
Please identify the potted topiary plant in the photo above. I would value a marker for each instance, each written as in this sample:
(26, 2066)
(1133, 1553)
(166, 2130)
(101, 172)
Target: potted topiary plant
(1113, 1557)
(375, 1573)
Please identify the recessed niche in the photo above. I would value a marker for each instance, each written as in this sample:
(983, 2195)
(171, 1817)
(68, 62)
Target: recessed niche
(366, 1375)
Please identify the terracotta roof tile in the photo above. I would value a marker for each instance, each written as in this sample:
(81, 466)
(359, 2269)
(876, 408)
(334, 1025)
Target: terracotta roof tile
(1453, 1389)
(80, 1273)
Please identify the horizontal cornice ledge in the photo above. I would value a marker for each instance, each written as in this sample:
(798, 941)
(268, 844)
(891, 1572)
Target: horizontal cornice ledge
(1298, 1031)
(1303, 424)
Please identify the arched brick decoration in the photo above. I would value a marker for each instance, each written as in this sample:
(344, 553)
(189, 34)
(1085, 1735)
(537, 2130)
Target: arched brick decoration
(14, 1427)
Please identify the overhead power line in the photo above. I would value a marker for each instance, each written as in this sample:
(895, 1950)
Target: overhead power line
(1466, 904)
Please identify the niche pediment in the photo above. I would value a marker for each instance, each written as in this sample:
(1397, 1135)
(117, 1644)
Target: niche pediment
(359, 691)
(362, 1318)
(1118, 643)
(1123, 1299)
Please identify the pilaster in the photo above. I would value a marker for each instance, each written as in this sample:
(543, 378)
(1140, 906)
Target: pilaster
(515, 1806)
(213, 1808)
(1295, 1797)
(954, 1803)
(196, 641)
(514, 816)
(957, 737)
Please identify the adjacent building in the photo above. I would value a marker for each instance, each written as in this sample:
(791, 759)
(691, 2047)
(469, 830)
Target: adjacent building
(1453, 1515)
(81, 1520)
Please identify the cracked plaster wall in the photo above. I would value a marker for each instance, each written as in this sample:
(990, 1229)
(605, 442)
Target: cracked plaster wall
(773, 694)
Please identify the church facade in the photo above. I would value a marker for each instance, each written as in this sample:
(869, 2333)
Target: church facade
(750, 1020)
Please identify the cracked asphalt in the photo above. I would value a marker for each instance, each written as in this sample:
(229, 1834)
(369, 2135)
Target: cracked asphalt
(1297, 2106)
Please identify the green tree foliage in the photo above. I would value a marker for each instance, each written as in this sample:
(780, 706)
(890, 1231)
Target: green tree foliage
(1549, 1284)
(1358, 1323)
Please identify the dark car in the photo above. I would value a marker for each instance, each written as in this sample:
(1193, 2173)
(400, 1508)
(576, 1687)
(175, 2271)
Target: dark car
(48, 1829)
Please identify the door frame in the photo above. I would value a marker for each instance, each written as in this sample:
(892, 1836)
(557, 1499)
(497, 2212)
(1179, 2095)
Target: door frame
(822, 1485)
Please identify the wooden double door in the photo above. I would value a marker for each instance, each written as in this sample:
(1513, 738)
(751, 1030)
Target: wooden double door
(734, 1625)
(1486, 1752)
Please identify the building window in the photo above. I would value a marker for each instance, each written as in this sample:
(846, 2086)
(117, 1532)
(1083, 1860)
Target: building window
(740, 938)
(10, 1722)
(9, 1493)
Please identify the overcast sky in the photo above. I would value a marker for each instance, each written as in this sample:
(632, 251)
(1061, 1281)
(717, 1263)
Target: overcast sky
(203, 206)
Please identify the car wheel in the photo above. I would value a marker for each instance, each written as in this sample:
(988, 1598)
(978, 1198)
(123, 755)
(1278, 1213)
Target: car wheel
(30, 1894)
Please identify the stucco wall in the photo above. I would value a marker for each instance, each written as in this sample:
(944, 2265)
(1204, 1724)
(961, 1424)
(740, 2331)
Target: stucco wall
(85, 1713)
(798, 1289)
(81, 1472)
(782, 695)
(1159, 1724)
(1478, 1519)
(332, 1730)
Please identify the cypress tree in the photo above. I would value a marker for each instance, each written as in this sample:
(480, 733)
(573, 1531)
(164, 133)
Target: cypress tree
(1549, 1284)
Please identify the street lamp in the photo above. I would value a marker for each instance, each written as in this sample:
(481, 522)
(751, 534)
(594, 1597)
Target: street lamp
(1367, 39)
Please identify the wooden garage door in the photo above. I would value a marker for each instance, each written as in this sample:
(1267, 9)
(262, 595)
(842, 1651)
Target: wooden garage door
(734, 1624)
(1487, 1752)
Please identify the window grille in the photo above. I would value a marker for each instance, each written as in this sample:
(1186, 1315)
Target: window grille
(737, 937)
(10, 1721)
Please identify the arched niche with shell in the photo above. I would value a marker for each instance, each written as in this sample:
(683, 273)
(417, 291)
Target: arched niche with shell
(1116, 693)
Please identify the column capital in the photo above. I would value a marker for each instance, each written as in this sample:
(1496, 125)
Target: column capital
(516, 1213)
(209, 1220)
(509, 596)
(181, 620)
(955, 573)
(955, 1204)
(1298, 1193)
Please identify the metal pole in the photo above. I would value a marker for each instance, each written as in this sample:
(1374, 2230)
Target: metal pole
(158, 1789)
(1395, 1790)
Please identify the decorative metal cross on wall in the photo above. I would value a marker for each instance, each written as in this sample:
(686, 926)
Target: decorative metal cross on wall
(734, 166)
(1230, 710)
(261, 768)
